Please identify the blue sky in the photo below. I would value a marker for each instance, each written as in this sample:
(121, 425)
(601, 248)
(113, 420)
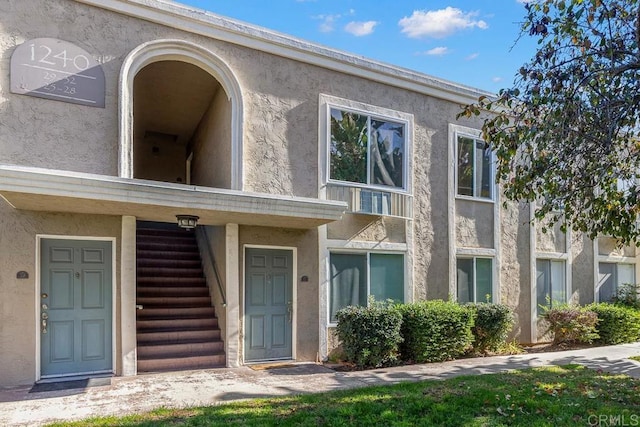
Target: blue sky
(472, 42)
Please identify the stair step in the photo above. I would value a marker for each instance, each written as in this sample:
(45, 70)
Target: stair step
(169, 272)
(181, 363)
(167, 254)
(176, 328)
(185, 240)
(166, 232)
(174, 301)
(168, 246)
(171, 291)
(176, 325)
(183, 336)
(172, 281)
(151, 351)
(175, 313)
(168, 263)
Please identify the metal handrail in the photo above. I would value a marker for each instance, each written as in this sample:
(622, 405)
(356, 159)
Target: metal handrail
(214, 265)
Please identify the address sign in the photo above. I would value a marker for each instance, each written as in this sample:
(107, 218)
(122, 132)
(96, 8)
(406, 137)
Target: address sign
(55, 69)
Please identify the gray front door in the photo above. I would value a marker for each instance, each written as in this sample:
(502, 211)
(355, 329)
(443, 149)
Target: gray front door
(268, 304)
(75, 307)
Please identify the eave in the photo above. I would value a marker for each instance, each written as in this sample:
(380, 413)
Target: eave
(36, 189)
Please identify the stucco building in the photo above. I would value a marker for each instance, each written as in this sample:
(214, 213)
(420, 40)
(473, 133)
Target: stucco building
(318, 178)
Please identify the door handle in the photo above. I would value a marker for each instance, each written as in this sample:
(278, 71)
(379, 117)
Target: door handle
(290, 310)
(44, 325)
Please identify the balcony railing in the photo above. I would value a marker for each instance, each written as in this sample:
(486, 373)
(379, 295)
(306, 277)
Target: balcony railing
(372, 201)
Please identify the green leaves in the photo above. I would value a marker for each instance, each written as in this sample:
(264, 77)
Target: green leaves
(565, 134)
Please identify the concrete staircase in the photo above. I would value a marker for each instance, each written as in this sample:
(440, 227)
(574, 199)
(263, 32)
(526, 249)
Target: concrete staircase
(177, 328)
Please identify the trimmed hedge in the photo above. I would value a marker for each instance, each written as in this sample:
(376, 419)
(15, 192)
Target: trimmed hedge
(492, 324)
(617, 324)
(571, 324)
(370, 335)
(435, 331)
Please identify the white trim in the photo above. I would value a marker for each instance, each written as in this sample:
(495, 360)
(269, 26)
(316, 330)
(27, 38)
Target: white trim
(476, 252)
(360, 245)
(197, 21)
(556, 256)
(371, 112)
(323, 292)
(178, 50)
(475, 199)
(114, 295)
(452, 195)
(494, 273)
(616, 259)
(294, 296)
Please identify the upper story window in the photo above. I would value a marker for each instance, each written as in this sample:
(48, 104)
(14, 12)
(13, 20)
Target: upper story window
(365, 149)
(474, 168)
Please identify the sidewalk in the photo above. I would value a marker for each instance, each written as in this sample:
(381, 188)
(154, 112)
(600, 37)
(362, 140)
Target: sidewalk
(128, 395)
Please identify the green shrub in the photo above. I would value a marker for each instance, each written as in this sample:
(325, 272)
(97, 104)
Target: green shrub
(570, 324)
(616, 324)
(370, 336)
(628, 294)
(434, 331)
(492, 324)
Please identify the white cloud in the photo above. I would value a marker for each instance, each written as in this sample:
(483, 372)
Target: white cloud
(496, 79)
(437, 51)
(328, 23)
(360, 28)
(439, 23)
(472, 56)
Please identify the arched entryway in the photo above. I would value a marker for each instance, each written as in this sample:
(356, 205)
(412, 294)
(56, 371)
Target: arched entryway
(181, 117)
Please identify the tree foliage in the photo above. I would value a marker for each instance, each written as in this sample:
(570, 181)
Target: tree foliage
(566, 135)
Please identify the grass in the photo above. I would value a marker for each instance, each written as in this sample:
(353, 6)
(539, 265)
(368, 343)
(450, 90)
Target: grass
(636, 358)
(552, 396)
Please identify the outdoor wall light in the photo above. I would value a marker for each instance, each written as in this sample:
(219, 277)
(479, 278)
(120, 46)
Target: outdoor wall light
(188, 222)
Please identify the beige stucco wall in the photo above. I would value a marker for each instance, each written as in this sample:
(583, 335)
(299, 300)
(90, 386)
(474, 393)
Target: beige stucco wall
(306, 305)
(553, 240)
(218, 251)
(610, 247)
(212, 145)
(356, 227)
(474, 224)
(18, 310)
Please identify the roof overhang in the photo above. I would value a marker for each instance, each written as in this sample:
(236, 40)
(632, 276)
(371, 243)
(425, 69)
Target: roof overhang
(36, 189)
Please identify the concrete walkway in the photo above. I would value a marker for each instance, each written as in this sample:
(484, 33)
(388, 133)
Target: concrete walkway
(128, 395)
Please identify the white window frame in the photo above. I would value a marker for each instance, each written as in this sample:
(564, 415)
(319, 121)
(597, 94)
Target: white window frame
(615, 263)
(475, 257)
(368, 253)
(327, 102)
(610, 259)
(492, 168)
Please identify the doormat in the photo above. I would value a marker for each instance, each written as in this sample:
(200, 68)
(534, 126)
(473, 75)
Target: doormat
(70, 385)
(267, 366)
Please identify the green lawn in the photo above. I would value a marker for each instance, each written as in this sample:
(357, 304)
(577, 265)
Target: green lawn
(554, 396)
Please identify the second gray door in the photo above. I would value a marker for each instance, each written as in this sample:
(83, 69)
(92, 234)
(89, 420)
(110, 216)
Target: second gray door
(268, 304)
